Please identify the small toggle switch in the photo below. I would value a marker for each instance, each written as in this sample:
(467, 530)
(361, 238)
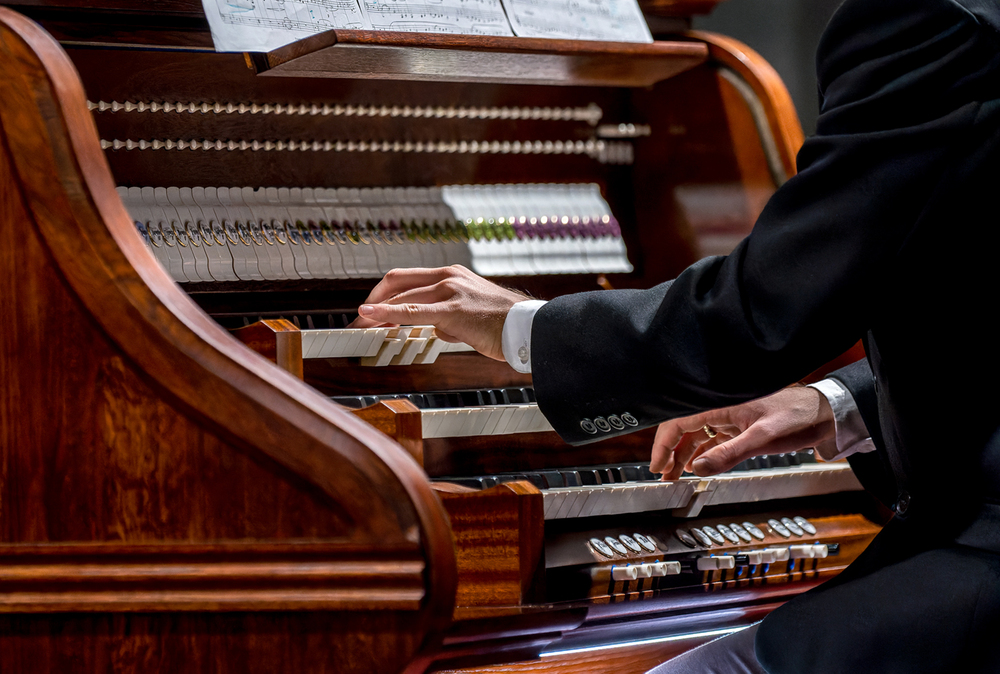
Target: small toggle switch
(625, 573)
(665, 568)
(716, 563)
(817, 551)
(644, 570)
(777, 554)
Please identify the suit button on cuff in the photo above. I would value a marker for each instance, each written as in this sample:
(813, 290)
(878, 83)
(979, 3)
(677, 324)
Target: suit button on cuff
(588, 426)
(616, 423)
(602, 424)
(629, 419)
(902, 504)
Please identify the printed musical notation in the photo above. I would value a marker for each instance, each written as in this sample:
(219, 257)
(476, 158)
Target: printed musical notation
(611, 20)
(468, 17)
(263, 25)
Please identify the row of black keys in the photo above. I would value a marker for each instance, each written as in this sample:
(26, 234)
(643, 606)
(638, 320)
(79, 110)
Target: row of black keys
(602, 475)
(446, 399)
(304, 321)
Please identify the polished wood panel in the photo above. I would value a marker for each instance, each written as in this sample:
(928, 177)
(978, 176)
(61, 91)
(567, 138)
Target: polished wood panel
(465, 58)
(130, 419)
(277, 340)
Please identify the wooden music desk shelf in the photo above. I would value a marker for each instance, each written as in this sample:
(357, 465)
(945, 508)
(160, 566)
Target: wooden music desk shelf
(465, 58)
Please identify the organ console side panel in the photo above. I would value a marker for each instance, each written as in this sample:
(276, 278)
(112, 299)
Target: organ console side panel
(170, 500)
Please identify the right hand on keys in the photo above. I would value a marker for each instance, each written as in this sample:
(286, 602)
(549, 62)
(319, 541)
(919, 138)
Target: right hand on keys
(711, 442)
(462, 306)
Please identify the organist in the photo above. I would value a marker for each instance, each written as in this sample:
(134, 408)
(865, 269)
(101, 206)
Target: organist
(880, 236)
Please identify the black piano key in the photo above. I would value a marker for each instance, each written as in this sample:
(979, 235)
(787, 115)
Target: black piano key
(614, 475)
(537, 479)
(436, 401)
(473, 482)
(631, 473)
(470, 399)
(553, 478)
(572, 478)
(355, 402)
(590, 477)
(779, 460)
(794, 458)
(808, 456)
(645, 474)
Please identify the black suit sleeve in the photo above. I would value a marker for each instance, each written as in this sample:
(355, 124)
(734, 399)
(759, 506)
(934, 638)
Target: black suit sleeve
(872, 468)
(901, 84)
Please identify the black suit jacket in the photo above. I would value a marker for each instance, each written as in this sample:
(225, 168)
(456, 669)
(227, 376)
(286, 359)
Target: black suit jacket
(889, 232)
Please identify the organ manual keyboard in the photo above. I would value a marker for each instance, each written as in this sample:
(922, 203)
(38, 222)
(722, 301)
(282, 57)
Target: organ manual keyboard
(205, 469)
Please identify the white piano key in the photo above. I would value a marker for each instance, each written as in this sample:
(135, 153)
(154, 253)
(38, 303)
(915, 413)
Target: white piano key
(496, 414)
(411, 349)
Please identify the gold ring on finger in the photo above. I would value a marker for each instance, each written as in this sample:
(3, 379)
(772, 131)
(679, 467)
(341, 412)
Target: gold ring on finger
(709, 431)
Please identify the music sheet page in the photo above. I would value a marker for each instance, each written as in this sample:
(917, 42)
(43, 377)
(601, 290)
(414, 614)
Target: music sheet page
(467, 17)
(263, 25)
(611, 20)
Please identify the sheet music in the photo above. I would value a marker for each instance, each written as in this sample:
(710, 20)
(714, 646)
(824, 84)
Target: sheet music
(263, 25)
(467, 17)
(611, 20)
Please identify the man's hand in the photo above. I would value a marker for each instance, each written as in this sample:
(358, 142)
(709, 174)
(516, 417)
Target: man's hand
(792, 419)
(462, 306)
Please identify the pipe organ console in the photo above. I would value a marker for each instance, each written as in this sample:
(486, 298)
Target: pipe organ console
(204, 468)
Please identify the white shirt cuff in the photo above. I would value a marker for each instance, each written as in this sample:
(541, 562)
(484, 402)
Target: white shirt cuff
(852, 434)
(516, 342)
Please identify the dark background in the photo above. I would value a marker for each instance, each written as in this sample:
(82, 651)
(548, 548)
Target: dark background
(785, 33)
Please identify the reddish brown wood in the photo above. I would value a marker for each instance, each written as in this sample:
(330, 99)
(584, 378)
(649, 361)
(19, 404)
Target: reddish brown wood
(41, 578)
(467, 58)
(400, 420)
(131, 417)
(277, 340)
(498, 535)
(451, 371)
(677, 8)
(767, 85)
(529, 451)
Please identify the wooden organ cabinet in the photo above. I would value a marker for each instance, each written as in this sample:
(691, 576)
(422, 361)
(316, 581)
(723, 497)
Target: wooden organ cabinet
(172, 501)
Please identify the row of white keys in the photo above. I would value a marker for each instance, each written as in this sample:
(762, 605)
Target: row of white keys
(758, 485)
(812, 479)
(461, 422)
(611, 499)
(347, 343)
